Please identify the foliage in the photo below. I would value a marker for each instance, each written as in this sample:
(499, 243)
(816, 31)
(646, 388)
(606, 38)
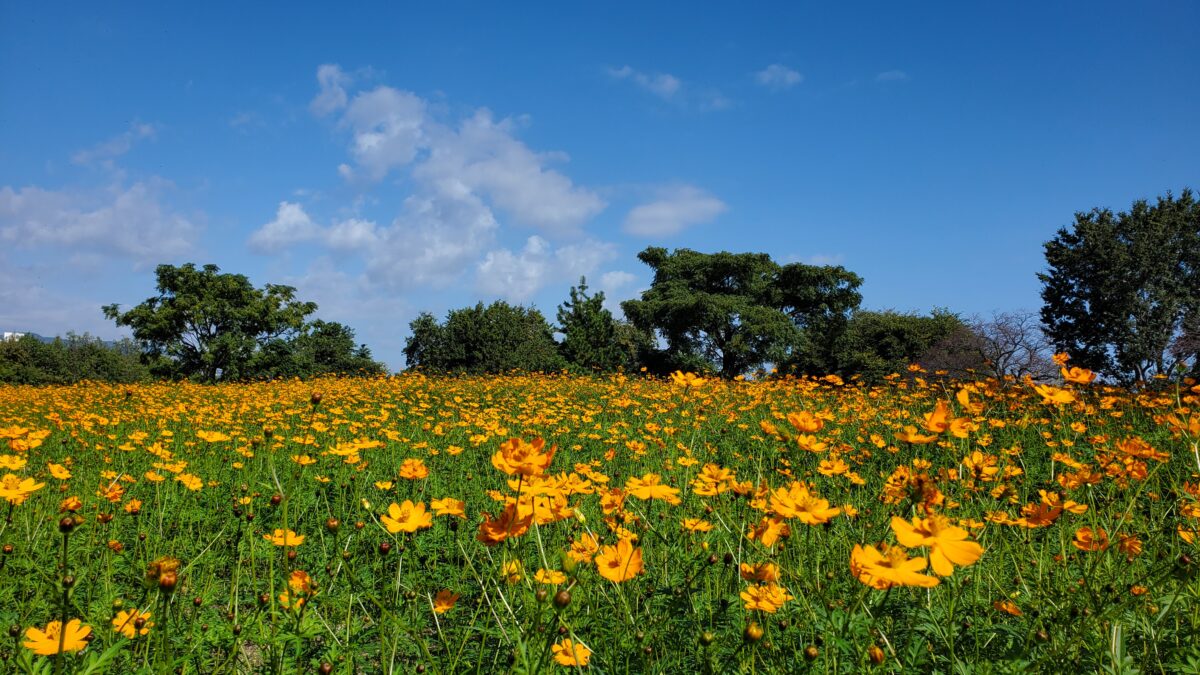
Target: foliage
(876, 344)
(279, 527)
(28, 360)
(594, 341)
(319, 348)
(207, 325)
(1120, 288)
(493, 339)
(738, 311)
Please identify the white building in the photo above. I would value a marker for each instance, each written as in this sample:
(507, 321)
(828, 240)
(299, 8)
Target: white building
(9, 335)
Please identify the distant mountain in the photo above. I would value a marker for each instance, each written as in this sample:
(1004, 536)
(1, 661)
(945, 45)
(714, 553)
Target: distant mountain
(16, 335)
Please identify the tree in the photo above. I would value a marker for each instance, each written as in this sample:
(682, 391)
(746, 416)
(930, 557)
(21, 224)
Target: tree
(877, 344)
(30, 360)
(208, 325)
(592, 339)
(1014, 345)
(738, 311)
(319, 348)
(1120, 289)
(492, 339)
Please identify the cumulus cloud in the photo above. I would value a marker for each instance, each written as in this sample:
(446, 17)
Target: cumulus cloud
(517, 276)
(778, 77)
(132, 222)
(103, 154)
(332, 95)
(465, 174)
(675, 209)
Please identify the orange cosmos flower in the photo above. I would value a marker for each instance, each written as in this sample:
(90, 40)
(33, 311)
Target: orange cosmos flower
(572, 654)
(765, 572)
(911, 435)
(769, 530)
(805, 422)
(414, 469)
(448, 507)
(16, 490)
(948, 545)
(510, 524)
(891, 567)
(1078, 375)
(527, 459)
(619, 563)
(584, 548)
(1053, 395)
(126, 622)
(697, 525)
(46, 642)
(1087, 539)
(59, 471)
(796, 501)
(1008, 607)
(406, 517)
(765, 597)
(650, 486)
(71, 504)
(212, 436)
(444, 601)
(938, 421)
(284, 538)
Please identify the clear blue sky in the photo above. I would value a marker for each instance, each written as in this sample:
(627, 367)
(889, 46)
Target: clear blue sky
(386, 159)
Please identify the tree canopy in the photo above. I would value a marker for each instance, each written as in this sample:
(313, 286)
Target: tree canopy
(593, 340)
(483, 339)
(1122, 291)
(208, 325)
(738, 311)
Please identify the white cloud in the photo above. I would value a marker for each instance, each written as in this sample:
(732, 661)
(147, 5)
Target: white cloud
(675, 208)
(673, 89)
(104, 153)
(778, 77)
(131, 222)
(891, 76)
(291, 226)
(517, 277)
(333, 83)
(662, 85)
(387, 125)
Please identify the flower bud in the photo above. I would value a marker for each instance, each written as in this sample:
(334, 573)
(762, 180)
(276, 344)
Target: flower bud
(753, 632)
(562, 599)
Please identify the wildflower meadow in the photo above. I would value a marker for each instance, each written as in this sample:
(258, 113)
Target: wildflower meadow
(551, 523)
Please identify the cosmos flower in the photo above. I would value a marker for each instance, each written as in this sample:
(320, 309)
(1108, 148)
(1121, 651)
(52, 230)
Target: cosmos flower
(621, 562)
(44, 642)
(406, 517)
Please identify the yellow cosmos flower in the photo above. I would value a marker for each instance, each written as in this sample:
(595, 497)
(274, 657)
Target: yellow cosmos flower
(891, 567)
(621, 562)
(948, 545)
(414, 469)
(284, 538)
(126, 622)
(16, 490)
(45, 642)
(571, 654)
(527, 459)
(406, 517)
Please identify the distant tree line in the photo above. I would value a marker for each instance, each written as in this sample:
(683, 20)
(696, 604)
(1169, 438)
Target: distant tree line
(1121, 295)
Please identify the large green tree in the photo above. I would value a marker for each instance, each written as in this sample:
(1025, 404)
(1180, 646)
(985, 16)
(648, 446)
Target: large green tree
(483, 339)
(319, 348)
(594, 340)
(739, 311)
(209, 325)
(1122, 289)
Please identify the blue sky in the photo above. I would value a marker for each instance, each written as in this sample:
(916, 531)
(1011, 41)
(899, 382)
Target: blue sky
(387, 159)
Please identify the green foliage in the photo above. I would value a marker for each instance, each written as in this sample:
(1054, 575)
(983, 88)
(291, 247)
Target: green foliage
(1123, 289)
(207, 325)
(493, 339)
(594, 341)
(320, 348)
(737, 311)
(28, 360)
(876, 344)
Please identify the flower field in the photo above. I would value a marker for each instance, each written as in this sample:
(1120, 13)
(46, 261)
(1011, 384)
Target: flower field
(549, 523)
